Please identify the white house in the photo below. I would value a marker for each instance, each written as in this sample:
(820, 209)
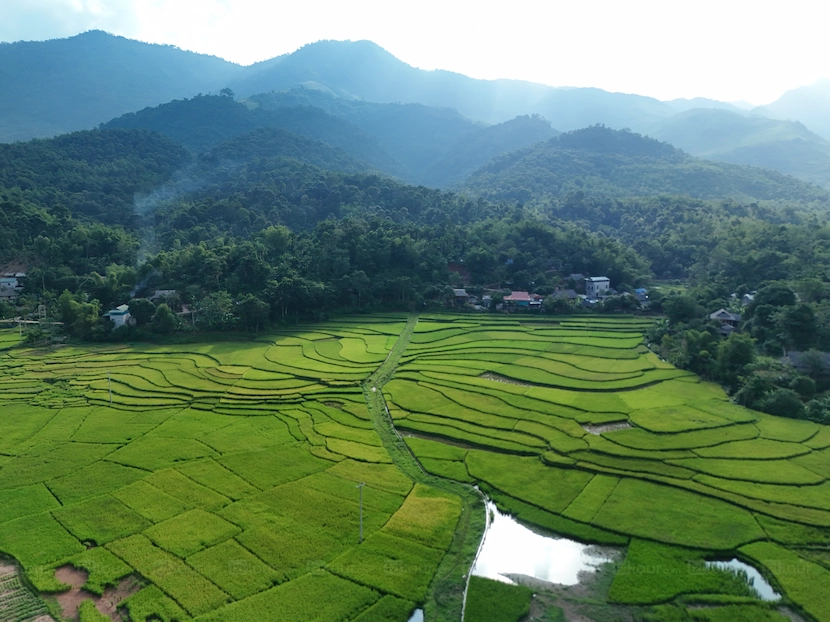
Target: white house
(120, 316)
(597, 286)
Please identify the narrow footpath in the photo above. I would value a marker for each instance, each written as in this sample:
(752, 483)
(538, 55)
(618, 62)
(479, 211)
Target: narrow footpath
(445, 600)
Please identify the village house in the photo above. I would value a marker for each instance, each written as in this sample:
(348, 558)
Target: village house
(728, 321)
(597, 286)
(161, 294)
(10, 289)
(523, 300)
(120, 316)
(567, 294)
(461, 296)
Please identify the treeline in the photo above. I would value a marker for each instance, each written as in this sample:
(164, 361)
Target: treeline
(775, 364)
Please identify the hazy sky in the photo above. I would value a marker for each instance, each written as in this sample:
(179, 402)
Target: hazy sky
(723, 49)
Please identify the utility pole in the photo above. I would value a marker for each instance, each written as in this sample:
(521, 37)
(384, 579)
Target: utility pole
(109, 385)
(360, 488)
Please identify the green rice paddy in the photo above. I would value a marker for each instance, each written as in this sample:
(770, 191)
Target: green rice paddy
(224, 474)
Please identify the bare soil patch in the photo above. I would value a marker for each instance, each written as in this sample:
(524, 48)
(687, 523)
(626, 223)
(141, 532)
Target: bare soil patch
(495, 377)
(606, 427)
(107, 604)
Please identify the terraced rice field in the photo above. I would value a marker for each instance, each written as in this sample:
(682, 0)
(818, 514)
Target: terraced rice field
(507, 403)
(224, 474)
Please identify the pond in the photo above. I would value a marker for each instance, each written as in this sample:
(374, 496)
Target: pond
(512, 549)
(754, 578)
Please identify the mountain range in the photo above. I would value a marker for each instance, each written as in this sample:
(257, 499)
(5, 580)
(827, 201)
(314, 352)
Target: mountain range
(63, 85)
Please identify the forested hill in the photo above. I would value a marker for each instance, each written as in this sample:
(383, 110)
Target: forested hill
(785, 146)
(205, 121)
(432, 146)
(270, 142)
(53, 87)
(93, 174)
(601, 161)
(58, 86)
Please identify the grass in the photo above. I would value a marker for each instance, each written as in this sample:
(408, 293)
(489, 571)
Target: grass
(188, 533)
(315, 597)
(674, 516)
(88, 612)
(493, 601)
(97, 479)
(100, 520)
(268, 468)
(676, 419)
(756, 449)
(428, 516)
(387, 608)
(152, 503)
(213, 475)
(398, 566)
(187, 587)
(105, 569)
(766, 471)
(186, 490)
(153, 453)
(586, 505)
(528, 479)
(655, 573)
(151, 603)
(37, 540)
(635, 438)
(805, 582)
(234, 569)
(25, 501)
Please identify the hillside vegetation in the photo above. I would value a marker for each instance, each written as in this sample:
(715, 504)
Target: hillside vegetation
(602, 161)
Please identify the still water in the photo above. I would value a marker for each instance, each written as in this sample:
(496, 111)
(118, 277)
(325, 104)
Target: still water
(511, 548)
(417, 616)
(755, 578)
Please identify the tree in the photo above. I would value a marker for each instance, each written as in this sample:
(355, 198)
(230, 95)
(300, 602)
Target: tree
(682, 308)
(252, 312)
(804, 386)
(142, 310)
(783, 403)
(734, 354)
(216, 312)
(813, 360)
(775, 294)
(799, 326)
(164, 320)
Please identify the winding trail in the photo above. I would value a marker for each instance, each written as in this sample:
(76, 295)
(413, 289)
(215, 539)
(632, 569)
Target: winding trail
(447, 594)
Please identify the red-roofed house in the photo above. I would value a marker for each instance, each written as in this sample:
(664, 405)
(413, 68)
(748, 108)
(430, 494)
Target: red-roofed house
(523, 300)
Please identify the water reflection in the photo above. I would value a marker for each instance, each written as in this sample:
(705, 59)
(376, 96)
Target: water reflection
(417, 616)
(755, 578)
(510, 548)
